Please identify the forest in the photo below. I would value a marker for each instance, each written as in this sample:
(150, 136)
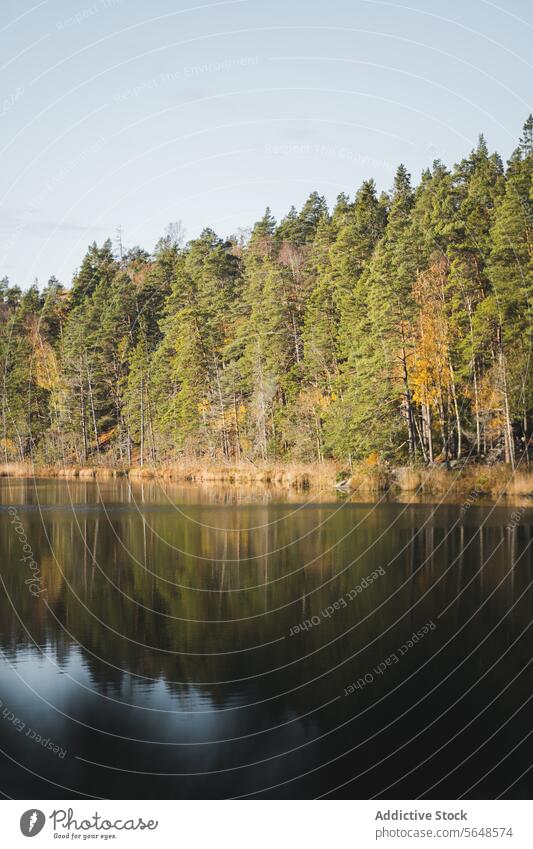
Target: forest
(396, 326)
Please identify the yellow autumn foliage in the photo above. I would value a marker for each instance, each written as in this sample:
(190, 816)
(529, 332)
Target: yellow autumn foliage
(431, 356)
(45, 365)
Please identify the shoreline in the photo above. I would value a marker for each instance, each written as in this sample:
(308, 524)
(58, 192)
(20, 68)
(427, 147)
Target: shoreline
(290, 476)
(471, 481)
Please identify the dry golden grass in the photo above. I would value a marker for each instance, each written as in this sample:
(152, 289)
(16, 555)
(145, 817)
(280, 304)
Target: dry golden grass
(521, 483)
(16, 470)
(298, 476)
(368, 477)
(407, 479)
(492, 481)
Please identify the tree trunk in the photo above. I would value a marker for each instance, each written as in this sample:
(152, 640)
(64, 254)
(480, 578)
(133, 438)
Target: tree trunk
(474, 376)
(426, 422)
(408, 401)
(91, 401)
(225, 441)
(153, 452)
(508, 428)
(142, 418)
(237, 433)
(83, 419)
(456, 411)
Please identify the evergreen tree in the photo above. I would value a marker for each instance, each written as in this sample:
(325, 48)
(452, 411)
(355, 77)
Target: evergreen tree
(398, 327)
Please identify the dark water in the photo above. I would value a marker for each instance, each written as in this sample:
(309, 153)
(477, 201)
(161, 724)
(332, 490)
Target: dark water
(156, 655)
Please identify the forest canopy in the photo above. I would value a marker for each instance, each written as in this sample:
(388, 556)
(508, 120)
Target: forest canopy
(396, 326)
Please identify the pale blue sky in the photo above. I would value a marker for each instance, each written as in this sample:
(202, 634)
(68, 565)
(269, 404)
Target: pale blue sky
(141, 113)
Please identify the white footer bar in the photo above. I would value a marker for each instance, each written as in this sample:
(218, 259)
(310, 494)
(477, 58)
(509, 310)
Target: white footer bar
(267, 824)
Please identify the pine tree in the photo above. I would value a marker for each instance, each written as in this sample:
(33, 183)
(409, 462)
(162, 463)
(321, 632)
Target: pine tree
(377, 395)
(399, 326)
(507, 311)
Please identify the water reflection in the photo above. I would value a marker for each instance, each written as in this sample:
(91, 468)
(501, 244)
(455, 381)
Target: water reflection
(163, 642)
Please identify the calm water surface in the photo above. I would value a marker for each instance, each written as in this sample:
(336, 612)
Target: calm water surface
(166, 657)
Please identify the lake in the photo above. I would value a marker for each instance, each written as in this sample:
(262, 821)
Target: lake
(164, 641)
